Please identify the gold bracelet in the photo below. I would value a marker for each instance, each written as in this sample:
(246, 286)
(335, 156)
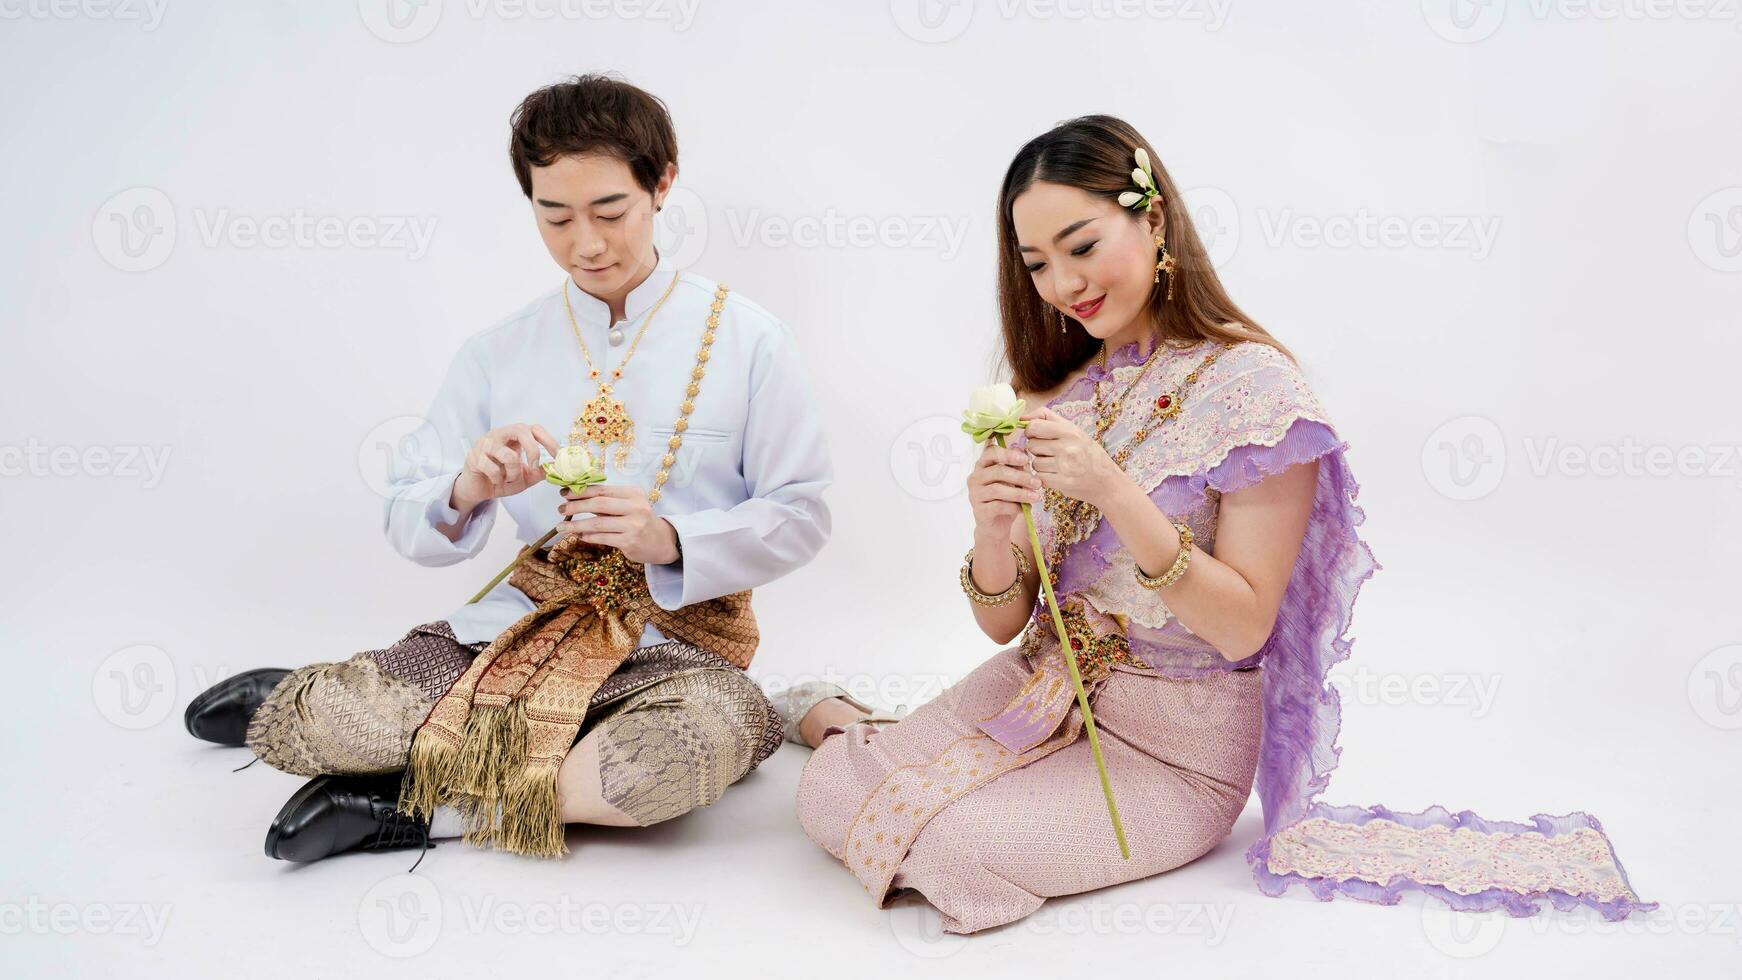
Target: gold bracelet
(1001, 598)
(1175, 570)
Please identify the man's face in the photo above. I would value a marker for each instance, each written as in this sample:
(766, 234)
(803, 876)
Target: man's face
(597, 221)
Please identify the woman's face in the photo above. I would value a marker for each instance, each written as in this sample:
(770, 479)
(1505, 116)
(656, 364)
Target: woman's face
(596, 221)
(1088, 257)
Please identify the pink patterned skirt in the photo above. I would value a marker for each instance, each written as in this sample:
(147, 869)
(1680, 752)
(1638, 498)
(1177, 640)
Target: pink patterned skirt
(986, 835)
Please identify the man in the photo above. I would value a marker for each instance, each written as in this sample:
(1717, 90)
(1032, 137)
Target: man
(623, 706)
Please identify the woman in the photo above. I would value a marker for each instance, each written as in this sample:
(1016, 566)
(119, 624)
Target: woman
(1199, 517)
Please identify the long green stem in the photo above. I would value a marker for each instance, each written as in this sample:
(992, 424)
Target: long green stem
(529, 549)
(1058, 622)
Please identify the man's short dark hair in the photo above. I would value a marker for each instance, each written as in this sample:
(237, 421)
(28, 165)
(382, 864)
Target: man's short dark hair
(592, 114)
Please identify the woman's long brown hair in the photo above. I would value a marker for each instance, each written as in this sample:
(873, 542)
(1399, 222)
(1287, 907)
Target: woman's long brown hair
(1097, 154)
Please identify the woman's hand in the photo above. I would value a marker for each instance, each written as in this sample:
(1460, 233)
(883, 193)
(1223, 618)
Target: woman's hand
(503, 463)
(997, 488)
(1067, 460)
(624, 520)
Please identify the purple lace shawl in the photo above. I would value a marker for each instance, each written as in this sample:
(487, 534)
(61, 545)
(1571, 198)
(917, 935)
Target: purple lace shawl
(1252, 415)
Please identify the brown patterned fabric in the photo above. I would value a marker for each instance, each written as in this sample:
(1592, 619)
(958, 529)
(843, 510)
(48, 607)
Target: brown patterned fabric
(495, 740)
(429, 659)
(357, 717)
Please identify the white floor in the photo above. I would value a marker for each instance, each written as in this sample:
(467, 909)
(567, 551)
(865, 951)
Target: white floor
(145, 859)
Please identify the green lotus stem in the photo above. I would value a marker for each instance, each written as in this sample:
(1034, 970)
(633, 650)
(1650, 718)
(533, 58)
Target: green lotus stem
(529, 549)
(1058, 622)
(573, 470)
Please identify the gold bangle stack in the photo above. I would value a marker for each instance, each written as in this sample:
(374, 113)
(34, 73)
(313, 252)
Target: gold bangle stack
(1001, 598)
(1178, 567)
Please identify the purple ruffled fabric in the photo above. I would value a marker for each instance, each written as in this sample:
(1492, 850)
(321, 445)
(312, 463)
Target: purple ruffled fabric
(1302, 712)
(1518, 904)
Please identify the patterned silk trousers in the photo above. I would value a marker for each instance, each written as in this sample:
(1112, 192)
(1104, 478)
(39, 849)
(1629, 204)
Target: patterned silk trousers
(676, 724)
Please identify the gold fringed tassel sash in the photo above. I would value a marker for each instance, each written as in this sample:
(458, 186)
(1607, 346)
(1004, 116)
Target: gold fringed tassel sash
(492, 745)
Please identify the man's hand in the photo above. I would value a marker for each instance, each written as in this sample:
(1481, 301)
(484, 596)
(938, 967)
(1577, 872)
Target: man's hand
(502, 464)
(624, 520)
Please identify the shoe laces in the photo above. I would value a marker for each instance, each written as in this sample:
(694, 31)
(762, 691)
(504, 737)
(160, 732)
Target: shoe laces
(397, 829)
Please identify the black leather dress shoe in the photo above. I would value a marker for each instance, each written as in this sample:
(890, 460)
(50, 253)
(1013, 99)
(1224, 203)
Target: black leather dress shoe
(334, 814)
(221, 713)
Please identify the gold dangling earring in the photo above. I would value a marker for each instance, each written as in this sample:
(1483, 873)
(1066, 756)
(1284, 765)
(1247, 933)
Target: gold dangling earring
(1165, 264)
(1061, 315)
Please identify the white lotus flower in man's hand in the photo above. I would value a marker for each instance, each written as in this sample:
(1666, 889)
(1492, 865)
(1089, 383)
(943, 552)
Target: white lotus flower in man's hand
(573, 468)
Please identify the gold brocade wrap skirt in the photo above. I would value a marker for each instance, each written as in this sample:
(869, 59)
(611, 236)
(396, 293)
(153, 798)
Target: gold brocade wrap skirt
(679, 720)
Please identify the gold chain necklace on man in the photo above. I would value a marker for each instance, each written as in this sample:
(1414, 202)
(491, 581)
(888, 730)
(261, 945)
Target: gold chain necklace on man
(604, 420)
(672, 445)
(1071, 518)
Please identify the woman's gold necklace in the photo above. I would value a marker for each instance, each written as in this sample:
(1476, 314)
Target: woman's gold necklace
(1073, 518)
(604, 420)
(1106, 415)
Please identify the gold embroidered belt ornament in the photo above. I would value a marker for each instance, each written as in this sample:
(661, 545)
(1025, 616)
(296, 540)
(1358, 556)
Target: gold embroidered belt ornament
(1096, 653)
(492, 745)
(1036, 710)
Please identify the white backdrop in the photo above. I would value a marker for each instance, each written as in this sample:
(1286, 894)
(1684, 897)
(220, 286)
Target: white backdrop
(243, 241)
